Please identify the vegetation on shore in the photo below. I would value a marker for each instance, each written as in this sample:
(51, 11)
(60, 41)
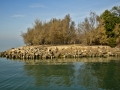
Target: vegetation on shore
(94, 30)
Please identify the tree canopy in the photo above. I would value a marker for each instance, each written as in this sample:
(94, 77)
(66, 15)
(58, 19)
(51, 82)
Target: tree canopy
(94, 30)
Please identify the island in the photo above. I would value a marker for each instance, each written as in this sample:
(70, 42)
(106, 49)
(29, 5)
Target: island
(96, 36)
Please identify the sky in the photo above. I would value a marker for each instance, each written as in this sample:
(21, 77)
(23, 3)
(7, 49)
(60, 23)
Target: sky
(17, 15)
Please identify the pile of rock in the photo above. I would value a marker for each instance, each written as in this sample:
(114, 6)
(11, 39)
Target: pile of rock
(41, 52)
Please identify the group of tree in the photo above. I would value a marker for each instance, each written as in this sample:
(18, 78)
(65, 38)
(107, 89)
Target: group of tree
(56, 31)
(94, 30)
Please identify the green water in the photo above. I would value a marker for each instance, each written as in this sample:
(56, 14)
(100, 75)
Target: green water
(62, 74)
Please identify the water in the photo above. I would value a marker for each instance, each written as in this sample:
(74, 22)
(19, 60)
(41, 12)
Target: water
(61, 74)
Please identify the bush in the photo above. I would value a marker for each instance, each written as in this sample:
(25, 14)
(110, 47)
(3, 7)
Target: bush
(112, 42)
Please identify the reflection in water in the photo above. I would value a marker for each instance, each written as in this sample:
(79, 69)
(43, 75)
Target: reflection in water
(50, 74)
(93, 74)
(87, 78)
(66, 61)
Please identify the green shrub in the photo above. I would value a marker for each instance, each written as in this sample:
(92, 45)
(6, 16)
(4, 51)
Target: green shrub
(111, 42)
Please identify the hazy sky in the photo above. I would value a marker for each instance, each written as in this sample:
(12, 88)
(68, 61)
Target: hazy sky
(17, 15)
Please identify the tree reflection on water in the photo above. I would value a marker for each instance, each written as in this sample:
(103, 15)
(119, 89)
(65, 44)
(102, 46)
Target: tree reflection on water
(88, 74)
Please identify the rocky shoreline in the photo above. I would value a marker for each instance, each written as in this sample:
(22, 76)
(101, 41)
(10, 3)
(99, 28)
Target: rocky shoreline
(63, 51)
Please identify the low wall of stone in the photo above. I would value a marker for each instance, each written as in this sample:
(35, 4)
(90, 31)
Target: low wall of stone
(64, 51)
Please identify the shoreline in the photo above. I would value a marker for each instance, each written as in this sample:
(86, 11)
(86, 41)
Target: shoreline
(60, 51)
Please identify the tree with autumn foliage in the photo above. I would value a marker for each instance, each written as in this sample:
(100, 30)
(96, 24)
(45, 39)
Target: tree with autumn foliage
(94, 30)
(56, 31)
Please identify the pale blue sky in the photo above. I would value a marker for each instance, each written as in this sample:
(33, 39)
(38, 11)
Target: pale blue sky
(18, 15)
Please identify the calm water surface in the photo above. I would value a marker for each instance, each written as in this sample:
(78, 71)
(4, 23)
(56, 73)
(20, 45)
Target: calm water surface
(61, 74)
